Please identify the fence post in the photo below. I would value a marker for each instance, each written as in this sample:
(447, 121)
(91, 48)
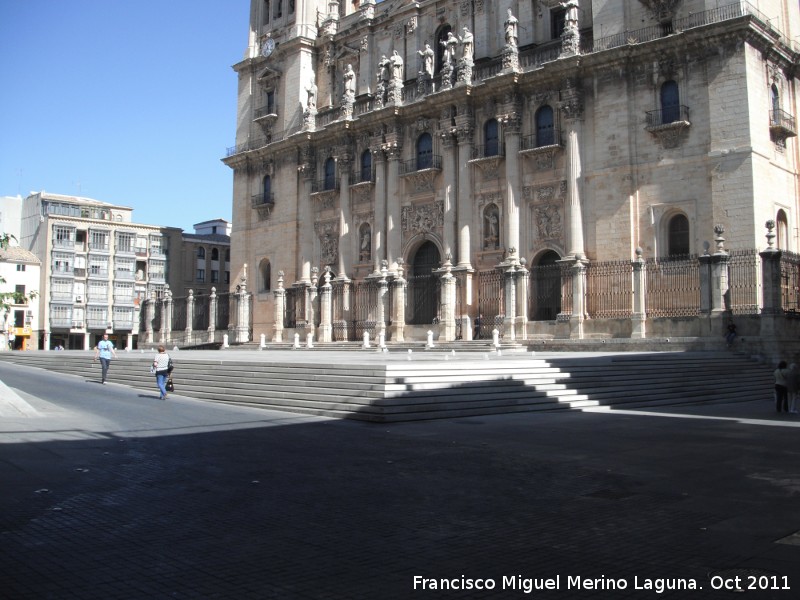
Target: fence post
(510, 287)
(771, 283)
(311, 298)
(212, 315)
(326, 327)
(189, 316)
(383, 288)
(639, 316)
(714, 276)
(280, 310)
(522, 276)
(399, 288)
(578, 315)
(242, 327)
(166, 317)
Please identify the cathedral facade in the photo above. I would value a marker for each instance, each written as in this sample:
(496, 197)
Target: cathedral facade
(461, 160)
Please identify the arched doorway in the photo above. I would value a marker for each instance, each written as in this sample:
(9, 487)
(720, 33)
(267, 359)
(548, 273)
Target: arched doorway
(423, 285)
(545, 293)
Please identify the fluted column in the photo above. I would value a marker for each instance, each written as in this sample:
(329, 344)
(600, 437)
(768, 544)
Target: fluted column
(280, 310)
(325, 308)
(345, 261)
(393, 187)
(305, 217)
(464, 196)
(189, 316)
(378, 232)
(575, 242)
(511, 221)
(450, 174)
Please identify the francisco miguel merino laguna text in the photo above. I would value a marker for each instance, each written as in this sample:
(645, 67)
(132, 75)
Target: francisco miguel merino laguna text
(528, 585)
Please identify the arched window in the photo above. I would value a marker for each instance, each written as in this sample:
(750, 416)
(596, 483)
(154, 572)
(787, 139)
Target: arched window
(214, 254)
(782, 226)
(266, 276)
(201, 252)
(545, 134)
(227, 255)
(775, 99)
(266, 187)
(366, 166)
(491, 135)
(424, 151)
(330, 174)
(670, 102)
(441, 36)
(678, 236)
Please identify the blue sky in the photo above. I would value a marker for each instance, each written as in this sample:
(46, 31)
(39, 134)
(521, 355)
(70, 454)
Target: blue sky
(128, 102)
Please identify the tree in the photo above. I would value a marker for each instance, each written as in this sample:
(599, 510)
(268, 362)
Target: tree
(7, 299)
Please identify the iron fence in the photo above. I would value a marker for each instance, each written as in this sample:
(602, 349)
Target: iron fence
(423, 294)
(201, 318)
(223, 311)
(790, 279)
(609, 289)
(179, 314)
(548, 285)
(673, 286)
(290, 308)
(365, 308)
(490, 301)
(339, 306)
(744, 282)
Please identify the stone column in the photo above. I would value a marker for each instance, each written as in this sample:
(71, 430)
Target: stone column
(771, 284)
(380, 318)
(305, 216)
(189, 316)
(242, 328)
(638, 314)
(212, 315)
(344, 259)
(572, 112)
(464, 196)
(523, 278)
(311, 299)
(450, 167)
(166, 317)
(150, 315)
(448, 322)
(510, 295)
(578, 315)
(378, 233)
(325, 306)
(280, 310)
(394, 240)
(398, 290)
(511, 220)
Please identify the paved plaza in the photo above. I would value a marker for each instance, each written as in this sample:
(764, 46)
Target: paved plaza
(109, 493)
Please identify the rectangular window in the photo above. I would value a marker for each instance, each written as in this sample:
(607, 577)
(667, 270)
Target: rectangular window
(201, 275)
(62, 263)
(98, 240)
(271, 102)
(214, 276)
(558, 19)
(63, 237)
(227, 276)
(20, 267)
(126, 242)
(19, 291)
(19, 318)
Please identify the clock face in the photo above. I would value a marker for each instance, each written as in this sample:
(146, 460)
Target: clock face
(268, 47)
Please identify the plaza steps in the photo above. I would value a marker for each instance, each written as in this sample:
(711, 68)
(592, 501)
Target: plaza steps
(426, 386)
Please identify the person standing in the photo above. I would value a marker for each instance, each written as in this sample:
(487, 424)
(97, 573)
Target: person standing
(781, 388)
(104, 351)
(161, 367)
(792, 386)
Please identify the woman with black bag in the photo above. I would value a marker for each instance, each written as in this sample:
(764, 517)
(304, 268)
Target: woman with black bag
(162, 366)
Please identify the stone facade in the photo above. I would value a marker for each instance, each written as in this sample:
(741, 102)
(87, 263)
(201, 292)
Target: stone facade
(560, 132)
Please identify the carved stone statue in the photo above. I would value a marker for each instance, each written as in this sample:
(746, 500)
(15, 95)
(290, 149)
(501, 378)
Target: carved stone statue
(365, 249)
(349, 83)
(397, 66)
(450, 48)
(311, 90)
(467, 45)
(427, 60)
(492, 237)
(383, 69)
(511, 30)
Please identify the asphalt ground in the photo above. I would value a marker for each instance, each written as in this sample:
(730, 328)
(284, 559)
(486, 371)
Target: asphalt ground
(107, 492)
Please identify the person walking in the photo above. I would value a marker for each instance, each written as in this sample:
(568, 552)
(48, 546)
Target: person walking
(792, 386)
(104, 351)
(161, 366)
(781, 389)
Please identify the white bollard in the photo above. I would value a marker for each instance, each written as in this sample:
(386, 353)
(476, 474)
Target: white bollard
(366, 339)
(495, 338)
(263, 340)
(430, 339)
(225, 341)
(382, 341)
(309, 340)
(296, 340)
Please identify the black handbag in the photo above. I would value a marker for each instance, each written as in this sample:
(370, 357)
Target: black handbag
(170, 386)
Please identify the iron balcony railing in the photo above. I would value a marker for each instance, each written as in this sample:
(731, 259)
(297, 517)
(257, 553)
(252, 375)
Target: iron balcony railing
(362, 176)
(495, 149)
(781, 120)
(263, 199)
(326, 184)
(264, 111)
(665, 116)
(421, 163)
(543, 139)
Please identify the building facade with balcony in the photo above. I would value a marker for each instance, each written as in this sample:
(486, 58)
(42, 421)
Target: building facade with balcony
(203, 261)
(19, 274)
(401, 139)
(97, 268)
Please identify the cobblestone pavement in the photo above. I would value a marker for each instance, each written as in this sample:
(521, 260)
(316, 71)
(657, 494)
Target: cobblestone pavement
(116, 495)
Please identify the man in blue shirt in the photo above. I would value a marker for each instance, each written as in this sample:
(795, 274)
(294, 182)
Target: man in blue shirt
(104, 351)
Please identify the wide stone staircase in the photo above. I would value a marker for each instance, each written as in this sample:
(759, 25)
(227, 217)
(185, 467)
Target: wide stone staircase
(388, 387)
